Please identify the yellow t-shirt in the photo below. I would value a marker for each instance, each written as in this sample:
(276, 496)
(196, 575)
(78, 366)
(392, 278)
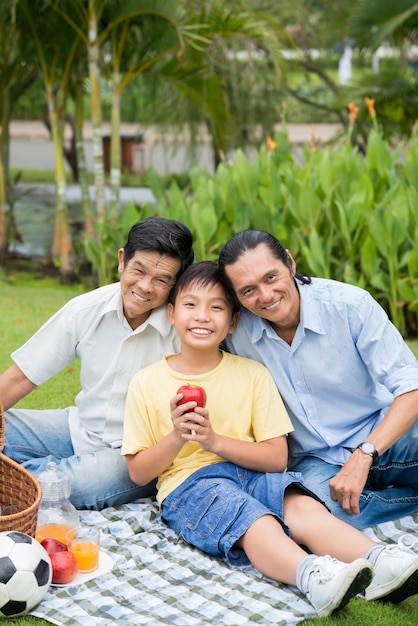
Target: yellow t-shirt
(242, 400)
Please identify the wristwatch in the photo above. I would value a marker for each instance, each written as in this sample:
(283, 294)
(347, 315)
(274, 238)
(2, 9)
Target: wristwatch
(367, 447)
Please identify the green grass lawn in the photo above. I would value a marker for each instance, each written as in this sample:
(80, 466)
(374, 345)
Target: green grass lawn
(25, 303)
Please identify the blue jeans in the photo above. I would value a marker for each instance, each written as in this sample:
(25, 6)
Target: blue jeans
(217, 504)
(391, 491)
(98, 479)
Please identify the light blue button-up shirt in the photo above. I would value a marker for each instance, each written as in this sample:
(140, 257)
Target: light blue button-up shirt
(346, 364)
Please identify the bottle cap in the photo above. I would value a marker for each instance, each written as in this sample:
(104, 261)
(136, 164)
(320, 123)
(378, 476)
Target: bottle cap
(55, 485)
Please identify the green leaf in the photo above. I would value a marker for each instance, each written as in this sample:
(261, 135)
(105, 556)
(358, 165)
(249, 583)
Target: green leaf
(177, 201)
(411, 162)
(156, 184)
(413, 264)
(222, 180)
(369, 259)
(245, 176)
(405, 290)
(378, 152)
(326, 173)
(308, 208)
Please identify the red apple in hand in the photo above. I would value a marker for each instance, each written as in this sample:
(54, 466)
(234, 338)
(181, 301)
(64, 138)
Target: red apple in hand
(53, 545)
(64, 567)
(192, 393)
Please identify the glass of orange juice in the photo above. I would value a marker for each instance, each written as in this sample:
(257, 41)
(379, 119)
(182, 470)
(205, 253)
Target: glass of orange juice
(84, 543)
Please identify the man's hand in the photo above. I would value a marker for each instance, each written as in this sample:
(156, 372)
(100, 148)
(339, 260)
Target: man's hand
(346, 486)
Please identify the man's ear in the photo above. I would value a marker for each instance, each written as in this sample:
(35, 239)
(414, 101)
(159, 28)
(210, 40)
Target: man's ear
(170, 313)
(293, 263)
(234, 323)
(121, 260)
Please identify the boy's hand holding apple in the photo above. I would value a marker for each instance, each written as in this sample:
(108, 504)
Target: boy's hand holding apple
(192, 393)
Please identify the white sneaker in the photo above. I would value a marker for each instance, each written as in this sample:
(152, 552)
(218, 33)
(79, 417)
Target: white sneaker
(396, 575)
(332, 583)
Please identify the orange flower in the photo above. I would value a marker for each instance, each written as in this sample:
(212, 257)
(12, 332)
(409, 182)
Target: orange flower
(352, 112)
(370, 106)
(270, 144)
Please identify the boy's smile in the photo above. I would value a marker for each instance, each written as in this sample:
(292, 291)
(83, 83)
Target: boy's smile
(201, 315)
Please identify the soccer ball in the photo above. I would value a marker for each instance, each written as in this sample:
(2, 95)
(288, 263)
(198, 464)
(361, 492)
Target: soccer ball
(25, 573)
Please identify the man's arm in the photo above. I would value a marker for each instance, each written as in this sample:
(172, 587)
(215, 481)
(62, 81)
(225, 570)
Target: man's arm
(347, 485)
(14, 386)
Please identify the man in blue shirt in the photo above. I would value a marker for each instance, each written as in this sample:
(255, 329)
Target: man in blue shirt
(348, 380)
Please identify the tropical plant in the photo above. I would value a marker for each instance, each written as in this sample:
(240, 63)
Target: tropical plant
(169, 43)
(394, 88)
(386, 20)
(56, 64)
(344, 214)
(16, 75)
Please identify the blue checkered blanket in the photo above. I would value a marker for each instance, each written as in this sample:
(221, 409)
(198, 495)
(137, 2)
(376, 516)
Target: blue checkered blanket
(157, 579)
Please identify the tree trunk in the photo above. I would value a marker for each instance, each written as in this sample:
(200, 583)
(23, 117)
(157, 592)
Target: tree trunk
(94, 72)
(86, 204)
(62, 247)
(115, 151)
(3, 194)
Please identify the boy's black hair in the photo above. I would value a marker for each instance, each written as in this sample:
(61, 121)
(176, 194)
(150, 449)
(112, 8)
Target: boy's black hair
(205, 273)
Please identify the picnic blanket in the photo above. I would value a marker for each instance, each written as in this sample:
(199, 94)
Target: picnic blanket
(157, 579)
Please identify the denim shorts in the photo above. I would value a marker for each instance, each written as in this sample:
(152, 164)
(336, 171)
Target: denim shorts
(217, 504)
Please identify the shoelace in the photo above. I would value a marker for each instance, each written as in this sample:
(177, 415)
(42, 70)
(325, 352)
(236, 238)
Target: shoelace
(322, 575)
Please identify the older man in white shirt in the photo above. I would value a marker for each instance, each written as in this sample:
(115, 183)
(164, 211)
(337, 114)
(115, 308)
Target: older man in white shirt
(114, 330)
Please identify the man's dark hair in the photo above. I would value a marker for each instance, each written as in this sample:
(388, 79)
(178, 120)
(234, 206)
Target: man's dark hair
(162, 235)
(205, 273)
(249, 240)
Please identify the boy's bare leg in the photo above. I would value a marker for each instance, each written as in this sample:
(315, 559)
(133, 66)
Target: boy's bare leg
(271, 551)
(312, 525)
(327, 583)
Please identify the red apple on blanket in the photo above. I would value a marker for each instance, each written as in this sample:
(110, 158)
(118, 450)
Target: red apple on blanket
(53, 545)
(192, 393)
(64, 567)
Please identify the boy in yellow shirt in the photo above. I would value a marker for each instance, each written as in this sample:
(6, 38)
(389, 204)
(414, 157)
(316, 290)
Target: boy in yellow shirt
(222, 484)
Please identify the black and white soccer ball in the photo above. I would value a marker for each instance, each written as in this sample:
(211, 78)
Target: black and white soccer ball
(25, 573)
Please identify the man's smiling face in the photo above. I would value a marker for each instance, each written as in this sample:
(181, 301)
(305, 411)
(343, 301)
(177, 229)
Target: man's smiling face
(145, 283)
(265, 286)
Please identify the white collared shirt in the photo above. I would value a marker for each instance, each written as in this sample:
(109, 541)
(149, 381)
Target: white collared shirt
(93, 328)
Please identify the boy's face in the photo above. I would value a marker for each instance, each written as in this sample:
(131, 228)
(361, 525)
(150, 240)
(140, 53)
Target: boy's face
(202, 316)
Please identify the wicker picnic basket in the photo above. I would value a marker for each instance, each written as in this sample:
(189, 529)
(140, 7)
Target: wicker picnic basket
(18, 488)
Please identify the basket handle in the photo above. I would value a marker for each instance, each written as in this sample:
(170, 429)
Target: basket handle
(1, 427)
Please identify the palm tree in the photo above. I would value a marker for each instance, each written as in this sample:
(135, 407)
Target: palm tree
(394, 89)
(56, 65)
(304, 28)
(162, 39)
(108, 29)
(226, 80)
(137, 38)
(16, 75)
(372, 23)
